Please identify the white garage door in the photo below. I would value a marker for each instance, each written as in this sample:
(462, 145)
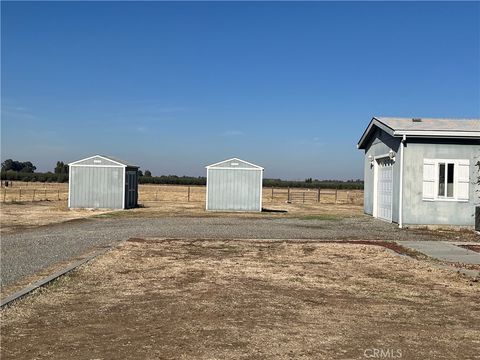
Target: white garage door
(385, 188)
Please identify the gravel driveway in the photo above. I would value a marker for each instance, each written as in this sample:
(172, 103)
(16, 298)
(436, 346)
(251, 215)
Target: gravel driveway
(25, 253)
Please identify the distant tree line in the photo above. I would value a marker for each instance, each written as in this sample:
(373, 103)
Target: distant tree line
(314, 184)
(24, 171)
(308, 183)
(18, 166)
(171, 179)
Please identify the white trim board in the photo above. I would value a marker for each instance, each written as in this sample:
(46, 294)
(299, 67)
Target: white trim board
(234, 168)
(206, 192)
(234, 159)
(261, 191)
(438, 133)
(123, 191)
(375, 187)
(85, 165)
(69, 185)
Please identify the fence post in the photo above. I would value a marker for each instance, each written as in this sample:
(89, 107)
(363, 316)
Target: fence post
(303, 197)
(45, 192)
(58, 194)
(33, 198)
(272, 193)
(189, 194)
(288, 194)
(318, 195)
(20, 194)
(156, 195)
(336, 195)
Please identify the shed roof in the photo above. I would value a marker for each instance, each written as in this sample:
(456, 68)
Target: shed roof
(234, 163)
(423, 127)
(110, 158)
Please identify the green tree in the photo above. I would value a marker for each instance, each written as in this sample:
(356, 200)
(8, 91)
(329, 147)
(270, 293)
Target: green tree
(27, 167)
(148, 173)
(8, 164)
(13, 165)
(61, 168)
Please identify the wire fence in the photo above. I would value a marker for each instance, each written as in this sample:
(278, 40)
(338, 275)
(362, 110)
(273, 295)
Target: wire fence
(25, 192)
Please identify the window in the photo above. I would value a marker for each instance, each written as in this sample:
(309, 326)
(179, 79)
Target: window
(446, 179)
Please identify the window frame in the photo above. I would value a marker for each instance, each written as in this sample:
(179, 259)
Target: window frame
(446, 166)
(438, 197)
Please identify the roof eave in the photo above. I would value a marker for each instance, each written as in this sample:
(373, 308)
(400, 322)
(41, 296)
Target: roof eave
(374, 122)
(453, 134)
(438, 134)
(120, 164)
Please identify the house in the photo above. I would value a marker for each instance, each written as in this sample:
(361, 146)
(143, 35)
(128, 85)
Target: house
(421, 171)
(234, 185)
(101, 181)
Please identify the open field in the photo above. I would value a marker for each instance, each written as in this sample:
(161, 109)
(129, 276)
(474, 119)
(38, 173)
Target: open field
(19, 211)
(35, 191)
(153, 298)
(24, 215)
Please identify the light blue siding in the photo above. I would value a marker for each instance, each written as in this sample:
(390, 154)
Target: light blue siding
(420, 212)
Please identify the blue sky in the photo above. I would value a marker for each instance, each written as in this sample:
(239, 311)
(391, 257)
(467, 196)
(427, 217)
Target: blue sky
(176, 86)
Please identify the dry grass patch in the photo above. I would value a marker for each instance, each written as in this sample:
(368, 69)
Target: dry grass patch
(23, 215)
(244, 299)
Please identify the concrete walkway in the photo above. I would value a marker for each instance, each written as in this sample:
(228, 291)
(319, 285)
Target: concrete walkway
(444, 251)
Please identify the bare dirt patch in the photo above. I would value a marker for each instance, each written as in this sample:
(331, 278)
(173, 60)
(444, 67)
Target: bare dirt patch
(154, 298)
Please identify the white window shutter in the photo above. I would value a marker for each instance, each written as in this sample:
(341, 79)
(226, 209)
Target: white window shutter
(428, 179)
(463, 179)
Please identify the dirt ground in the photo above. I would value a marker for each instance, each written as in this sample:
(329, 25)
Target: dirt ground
(28, 204)
(187, 299)
(24, 215)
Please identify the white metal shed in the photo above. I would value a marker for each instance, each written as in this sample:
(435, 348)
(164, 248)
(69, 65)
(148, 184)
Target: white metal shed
(102, 182)
(234, 185)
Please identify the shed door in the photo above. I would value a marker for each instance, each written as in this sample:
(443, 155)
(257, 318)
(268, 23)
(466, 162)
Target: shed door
(384, 188)
(131, 189)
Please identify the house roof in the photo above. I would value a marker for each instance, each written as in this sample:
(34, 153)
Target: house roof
(234, 163)
(423, 128)
(118, 161)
